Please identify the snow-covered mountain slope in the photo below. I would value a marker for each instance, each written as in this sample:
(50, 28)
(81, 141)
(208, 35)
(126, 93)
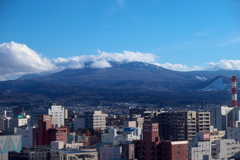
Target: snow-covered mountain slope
(218, 84)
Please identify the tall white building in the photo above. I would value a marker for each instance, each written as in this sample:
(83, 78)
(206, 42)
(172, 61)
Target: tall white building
(57, 113)
(221, 117)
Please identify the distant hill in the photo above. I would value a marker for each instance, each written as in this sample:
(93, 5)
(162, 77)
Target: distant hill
(128, 81)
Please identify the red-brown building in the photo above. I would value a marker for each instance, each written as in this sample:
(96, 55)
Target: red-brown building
(174, 150)
(152, 148)
(44, 124)
(58, 134)
(45, 133)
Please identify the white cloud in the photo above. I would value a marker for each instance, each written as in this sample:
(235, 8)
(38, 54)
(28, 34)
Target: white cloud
(101, 60)
(101, 64)
(179, 67)
(224, 64)
(19, 59)
(211, 66)
(128, 56)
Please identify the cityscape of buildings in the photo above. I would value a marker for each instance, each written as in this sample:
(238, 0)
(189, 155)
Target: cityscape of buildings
(56, 132)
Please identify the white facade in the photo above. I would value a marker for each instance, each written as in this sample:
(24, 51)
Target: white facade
(202, 151)
(221, 117)
(129, 135)
(199, 150)
(57, 113)
(95, 120)
(57, 144)
(129, 124)
(225, 149)
(110, 136)
(27, 135)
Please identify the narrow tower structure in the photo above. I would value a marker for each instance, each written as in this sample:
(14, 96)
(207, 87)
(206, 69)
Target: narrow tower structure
(234, 91)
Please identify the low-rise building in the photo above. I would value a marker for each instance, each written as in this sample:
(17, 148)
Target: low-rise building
(110, 136)
(57, 144)
(129, 134)
(27, 135)
(216, 135)
(106, 151)
(200, 147)
(44, 152)
(225, 149)
(84, 154)
(9, 143)
(35, 153)
(58, 134)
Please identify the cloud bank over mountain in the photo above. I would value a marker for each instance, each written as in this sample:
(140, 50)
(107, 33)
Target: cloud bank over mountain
(18, 59)
(102, 59)
(225, 64)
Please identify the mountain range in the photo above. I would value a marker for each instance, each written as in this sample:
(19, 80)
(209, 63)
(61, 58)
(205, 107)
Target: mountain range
(136, 82)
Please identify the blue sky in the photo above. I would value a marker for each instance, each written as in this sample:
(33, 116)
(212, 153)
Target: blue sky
(180, 35)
